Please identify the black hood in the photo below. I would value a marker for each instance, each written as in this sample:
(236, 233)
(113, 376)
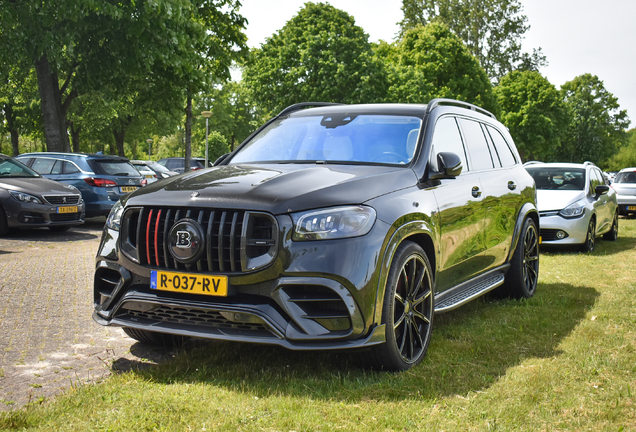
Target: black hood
(277, 189)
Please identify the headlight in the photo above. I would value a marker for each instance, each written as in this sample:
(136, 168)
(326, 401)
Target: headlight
(333, 223)
(114, 217)
(21, 196)
(573, 210)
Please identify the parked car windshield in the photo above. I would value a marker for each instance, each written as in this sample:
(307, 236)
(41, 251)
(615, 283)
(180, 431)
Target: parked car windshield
(12, 168)
(625, 177)
(340, 138)
(555, 178)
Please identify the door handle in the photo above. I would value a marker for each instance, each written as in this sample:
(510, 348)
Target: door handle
(512, 185)
(476, 192)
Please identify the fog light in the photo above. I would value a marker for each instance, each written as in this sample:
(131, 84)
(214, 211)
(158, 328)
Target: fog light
(560, 235)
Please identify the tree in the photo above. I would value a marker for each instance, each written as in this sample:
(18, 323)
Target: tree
(319, 55)
(534, 112)
(79, 46)
(626, 155)
(431, 62)
(598, 125)
(491, 29)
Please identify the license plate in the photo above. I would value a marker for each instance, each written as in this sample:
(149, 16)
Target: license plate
(149, 176)
(631, 207)
(188, 282)
(68, 209)
(127, 188)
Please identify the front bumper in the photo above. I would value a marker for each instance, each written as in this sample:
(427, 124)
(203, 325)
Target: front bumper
(575, 229)
(31, 215)
(626, 203)
(310, 297)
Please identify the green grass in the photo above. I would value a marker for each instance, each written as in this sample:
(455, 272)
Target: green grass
(563, 360)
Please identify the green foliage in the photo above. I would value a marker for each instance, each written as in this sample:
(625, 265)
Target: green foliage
(491, 29)
(431, 62)
(598, 125)
(534, 112)
(319, 55)
(626, 156)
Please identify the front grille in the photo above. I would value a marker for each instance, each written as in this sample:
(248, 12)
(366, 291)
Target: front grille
(234, 240)
(62, 199)
(65, 217)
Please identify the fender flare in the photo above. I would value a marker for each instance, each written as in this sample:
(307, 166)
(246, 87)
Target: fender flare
(527, 210)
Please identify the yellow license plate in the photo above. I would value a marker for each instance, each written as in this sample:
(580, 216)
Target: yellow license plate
(149, 176)
(192, 283)
(631, 207)
(128, 188)
(69, 209)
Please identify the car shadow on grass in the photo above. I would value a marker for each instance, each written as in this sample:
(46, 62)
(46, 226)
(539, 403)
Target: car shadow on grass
(472, 347)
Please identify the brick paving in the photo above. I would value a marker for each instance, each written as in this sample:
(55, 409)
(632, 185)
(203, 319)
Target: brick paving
(48, 340)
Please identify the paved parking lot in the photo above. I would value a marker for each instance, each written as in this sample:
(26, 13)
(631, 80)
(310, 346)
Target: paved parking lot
(48, 341)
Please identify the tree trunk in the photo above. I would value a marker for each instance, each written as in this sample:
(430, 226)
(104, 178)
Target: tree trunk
(13, 130)
(119, 140)
(188, 134)
(51, 103)
(75, 134)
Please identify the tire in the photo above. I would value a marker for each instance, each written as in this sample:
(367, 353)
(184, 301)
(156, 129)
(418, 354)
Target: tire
(4, 226)
(613, 232)
(590, 238)
(407, 311)
(59, 228)
(522, 277)
(155, 338)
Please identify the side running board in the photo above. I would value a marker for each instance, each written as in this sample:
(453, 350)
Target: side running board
(463, 294)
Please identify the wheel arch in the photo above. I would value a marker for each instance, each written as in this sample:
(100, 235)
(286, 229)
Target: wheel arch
(528, 210)
(418, 232)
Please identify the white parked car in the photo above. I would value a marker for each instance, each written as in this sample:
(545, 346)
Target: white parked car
(625, 186)
(575, 203)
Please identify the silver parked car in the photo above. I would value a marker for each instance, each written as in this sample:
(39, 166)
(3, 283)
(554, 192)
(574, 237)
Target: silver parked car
(625, 186)
(575, 204)
(27, 200)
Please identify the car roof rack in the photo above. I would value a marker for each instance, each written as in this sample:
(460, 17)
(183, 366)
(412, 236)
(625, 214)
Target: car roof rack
(452, 102)
(301, 105)
(589, 163)
(533, 163)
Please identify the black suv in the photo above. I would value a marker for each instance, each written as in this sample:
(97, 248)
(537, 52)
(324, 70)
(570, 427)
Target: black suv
(330, 227)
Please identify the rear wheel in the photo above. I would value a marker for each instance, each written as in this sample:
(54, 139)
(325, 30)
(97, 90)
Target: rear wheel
(407, 311)
(613, 232)
(590, 238)
(522, 277)
(155, 338)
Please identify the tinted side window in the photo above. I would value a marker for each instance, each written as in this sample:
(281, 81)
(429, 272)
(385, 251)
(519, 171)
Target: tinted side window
(70, 168)
(43, 165)
(446, 138)
(57, 168)
(476, 144)
(595, 180)
(506, 156)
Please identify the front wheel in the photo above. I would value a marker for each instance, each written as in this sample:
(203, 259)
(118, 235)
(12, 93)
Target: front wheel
(4, 226)
(522, 277)
(590, 238)
(407, 311)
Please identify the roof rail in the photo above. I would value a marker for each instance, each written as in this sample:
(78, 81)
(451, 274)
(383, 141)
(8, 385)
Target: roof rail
(301, 105)
(532, 163)
(589, 163)
(436, 102)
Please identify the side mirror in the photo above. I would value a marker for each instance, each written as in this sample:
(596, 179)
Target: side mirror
(601, 190)
(220, 159)
(449, 165)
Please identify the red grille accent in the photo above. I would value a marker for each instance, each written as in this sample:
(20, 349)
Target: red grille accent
(148, 236)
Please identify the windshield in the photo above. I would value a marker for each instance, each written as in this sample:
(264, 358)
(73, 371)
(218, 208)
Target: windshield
(625, 177)
(340, 138)
(555, 178)
(13, 168)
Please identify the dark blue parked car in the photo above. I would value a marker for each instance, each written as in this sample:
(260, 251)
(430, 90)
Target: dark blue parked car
(102, 179)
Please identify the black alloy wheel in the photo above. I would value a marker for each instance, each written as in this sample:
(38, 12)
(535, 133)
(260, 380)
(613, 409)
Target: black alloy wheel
(523, 275)
(590, 238)
(4, 226)
(407, 310)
